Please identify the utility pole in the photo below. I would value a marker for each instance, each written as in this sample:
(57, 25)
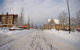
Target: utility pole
(69, 16)
(7, 19)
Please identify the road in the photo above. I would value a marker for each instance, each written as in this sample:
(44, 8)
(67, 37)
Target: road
(34, 41)
(37, 40)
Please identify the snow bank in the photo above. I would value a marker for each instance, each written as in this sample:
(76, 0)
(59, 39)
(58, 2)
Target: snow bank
(64, 35)
(19, 32)
(63, 40)
(14, 27)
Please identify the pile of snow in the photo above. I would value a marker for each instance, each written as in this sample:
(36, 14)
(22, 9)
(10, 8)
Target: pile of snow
(12, 35)
(64, 35)
(63, 40)
(4, 30)
(18, 32)
(14, 27)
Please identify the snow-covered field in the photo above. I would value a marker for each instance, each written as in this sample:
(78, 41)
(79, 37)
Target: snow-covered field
(39, 40)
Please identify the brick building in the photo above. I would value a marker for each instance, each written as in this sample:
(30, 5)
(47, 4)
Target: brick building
(8, 20)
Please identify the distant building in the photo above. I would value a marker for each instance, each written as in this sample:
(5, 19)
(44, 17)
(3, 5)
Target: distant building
(58, 27)
(8, 20)
(52, 24)
(77, 28)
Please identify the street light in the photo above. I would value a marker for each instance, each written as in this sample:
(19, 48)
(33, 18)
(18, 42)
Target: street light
(69, 16)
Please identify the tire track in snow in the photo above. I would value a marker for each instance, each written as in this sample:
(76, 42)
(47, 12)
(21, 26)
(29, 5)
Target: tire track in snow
(35, 41)
(8, 45)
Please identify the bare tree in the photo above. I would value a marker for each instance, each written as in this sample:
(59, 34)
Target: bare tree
(73, 21)
(78, 17)
(20, 21)
(63, 19)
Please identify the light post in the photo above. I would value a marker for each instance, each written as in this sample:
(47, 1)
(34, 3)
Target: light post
(69, 16)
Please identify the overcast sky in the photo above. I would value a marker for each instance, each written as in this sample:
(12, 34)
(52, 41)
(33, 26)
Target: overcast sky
(39, 10)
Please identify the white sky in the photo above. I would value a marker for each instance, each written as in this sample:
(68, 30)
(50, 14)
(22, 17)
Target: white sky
(39, 10)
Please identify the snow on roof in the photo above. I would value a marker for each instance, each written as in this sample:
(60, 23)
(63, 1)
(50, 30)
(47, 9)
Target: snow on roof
(55, 20)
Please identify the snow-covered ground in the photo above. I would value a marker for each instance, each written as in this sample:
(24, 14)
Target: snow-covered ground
(63, 40)
(8, 37)
(40, 40)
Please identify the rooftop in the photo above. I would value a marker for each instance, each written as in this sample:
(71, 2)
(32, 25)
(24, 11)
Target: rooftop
(55, 20)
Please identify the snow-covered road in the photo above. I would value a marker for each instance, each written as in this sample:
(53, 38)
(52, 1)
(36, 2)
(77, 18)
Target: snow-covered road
(40, 40)
(34, 41)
